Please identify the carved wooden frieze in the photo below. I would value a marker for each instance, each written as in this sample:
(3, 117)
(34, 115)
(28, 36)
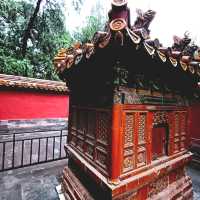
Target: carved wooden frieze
(132, 195)
(128, 163)
(183, 123)
(141, 159)
(89, 149)
(127, 96)
(101, 157)
(80, 144)
(158, 186)
(176, 125)
(160, 118)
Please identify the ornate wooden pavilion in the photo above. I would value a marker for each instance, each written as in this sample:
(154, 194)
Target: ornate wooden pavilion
(128, 125)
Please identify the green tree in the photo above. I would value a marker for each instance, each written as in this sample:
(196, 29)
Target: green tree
(31, 33)
(43, 39)
(85, 34)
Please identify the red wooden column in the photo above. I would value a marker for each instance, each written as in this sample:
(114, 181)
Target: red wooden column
(149, 136)
(171, 117)
(116, 144)
(189, 129)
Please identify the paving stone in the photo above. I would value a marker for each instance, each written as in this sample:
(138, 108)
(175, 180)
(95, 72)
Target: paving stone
(13, 193)
(39, 182)
(39, 189)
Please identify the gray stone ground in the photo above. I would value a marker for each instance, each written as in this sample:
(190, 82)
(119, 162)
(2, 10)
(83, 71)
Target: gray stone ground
(38, 182)
(194, 172)
(32, 183)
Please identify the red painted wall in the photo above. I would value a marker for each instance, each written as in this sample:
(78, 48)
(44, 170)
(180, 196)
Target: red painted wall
(32, 105)
(195, 123)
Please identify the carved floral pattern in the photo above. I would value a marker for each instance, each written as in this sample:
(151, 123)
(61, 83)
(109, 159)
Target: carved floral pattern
(102, 159)
(160, 118)
(80, 144)
(141, 157)
(103, 126)
(128, 163)
(158, 186)
(142, 126)
(128, 137)
(90, 150)
(183, 123)
(176, 124)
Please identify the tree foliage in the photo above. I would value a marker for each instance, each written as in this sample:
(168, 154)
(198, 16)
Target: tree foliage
(46, 35)
(86, 33)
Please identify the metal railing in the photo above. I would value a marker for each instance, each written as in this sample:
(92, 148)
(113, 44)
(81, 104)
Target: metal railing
(24, 149)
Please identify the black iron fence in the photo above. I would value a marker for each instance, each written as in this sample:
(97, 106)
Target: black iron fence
(25, 149)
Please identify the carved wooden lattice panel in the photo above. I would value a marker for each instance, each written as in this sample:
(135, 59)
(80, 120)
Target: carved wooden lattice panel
(142, 127)
(141, 150)
(91, 124)
(103, 126)
(88, 134)
(129, 161)
(102, 157)
(103, 129)
(160, 118)
(176, 132)
(128, 136)
(180, 129)
(183, 129)
(89, 150)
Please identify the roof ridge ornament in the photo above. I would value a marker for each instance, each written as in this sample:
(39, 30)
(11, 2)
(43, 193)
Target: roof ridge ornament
(143, 22)
(119, 2)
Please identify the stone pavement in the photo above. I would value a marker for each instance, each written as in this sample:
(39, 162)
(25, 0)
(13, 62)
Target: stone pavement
(39, 182)
(194, 172)
(32, 183)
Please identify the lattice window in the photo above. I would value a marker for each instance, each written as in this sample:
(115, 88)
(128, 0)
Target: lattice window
(180, 131)
(128, 137)
(142, 127)
(129, 161)
(91, 124)
(103, 127)
(141, 150)
(160, 118)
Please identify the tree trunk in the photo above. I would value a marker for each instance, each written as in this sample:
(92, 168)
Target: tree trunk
(27, 31)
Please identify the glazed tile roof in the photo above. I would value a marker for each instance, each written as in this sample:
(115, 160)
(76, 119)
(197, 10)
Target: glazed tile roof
(31, 83)
(183, 56)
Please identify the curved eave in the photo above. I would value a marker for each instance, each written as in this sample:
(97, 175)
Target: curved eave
(19, 82)
(65, 60)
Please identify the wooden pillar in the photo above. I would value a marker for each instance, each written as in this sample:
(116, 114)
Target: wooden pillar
(116, 144)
